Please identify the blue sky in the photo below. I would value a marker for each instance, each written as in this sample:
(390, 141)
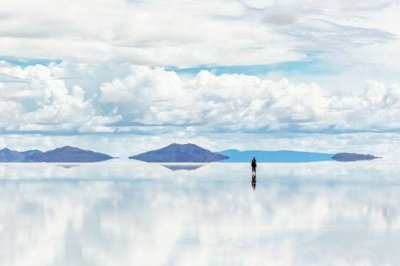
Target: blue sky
(302, 67)
(195, 69)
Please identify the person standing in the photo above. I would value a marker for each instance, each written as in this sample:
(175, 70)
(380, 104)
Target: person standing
(253, 165)
(253, 173)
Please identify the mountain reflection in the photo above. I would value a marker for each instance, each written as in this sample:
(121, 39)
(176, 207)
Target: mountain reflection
(177, 167)
(67, 166)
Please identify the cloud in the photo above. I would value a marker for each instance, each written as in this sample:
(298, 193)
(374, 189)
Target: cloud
(189, 33)
(43, 102)
(154, 100)
(228, 102)
(180, 33)
(233, 102)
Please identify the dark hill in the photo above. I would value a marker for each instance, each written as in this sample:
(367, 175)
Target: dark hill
(70, 154)
(350, 157)
(7, 155)
(179, 153)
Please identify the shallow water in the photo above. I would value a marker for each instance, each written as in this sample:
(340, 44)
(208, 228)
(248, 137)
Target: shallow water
(129, 213)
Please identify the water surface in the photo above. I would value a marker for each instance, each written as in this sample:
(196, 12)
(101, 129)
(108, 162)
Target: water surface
(131, 213)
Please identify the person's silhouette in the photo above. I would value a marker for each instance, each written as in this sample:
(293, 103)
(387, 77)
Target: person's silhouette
(253, 165)
(253, 173)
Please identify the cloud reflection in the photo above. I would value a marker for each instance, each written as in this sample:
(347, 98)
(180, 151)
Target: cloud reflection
(144, 214)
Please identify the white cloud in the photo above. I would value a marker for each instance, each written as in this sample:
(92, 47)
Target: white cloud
(242, 102)
(190, 33)
(41, 101)
(100, 86)
(182, 33)
(154, 100)
(347, 40)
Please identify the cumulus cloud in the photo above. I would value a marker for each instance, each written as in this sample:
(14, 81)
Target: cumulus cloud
(234, 102)
(154, 100)
(40, 101)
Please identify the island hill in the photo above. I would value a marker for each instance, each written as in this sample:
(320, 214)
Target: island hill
(64, 154)
(177, 153)
(180, 153)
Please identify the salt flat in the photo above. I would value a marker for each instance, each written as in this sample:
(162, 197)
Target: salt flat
(133, 213)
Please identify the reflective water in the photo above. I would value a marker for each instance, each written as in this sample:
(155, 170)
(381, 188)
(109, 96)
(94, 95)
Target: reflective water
(145, 214)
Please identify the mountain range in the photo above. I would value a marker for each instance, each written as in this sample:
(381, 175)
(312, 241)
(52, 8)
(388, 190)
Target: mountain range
(193, 153)
(7, 155)
(180, 153)
(63, 154)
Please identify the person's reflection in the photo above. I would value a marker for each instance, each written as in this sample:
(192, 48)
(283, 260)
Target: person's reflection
(253, 181)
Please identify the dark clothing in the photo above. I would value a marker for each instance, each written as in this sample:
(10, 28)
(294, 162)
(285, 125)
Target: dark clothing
(253, 174)
(253, 165)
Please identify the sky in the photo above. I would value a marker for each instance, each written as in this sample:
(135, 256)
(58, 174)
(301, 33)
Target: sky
(124, 76)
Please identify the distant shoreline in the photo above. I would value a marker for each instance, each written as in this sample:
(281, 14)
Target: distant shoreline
(170, 163)
(178, 153)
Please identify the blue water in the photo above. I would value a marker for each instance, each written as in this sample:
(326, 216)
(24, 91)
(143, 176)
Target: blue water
(276, 156)
(112, 213)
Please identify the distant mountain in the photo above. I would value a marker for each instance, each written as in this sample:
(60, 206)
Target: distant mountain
(7, 155)
(64, 154)
(283, 156)
(28, 155)
(179, 153)
(70, 154)
(350, 157)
